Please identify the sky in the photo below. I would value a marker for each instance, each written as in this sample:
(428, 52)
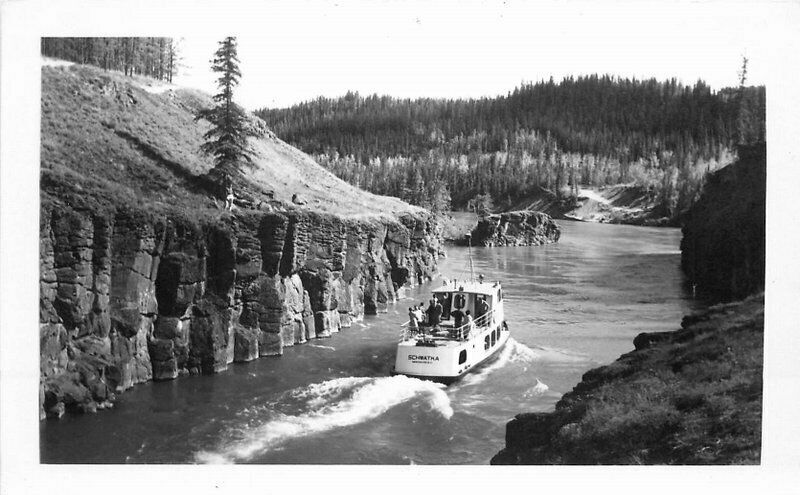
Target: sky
(296, 51)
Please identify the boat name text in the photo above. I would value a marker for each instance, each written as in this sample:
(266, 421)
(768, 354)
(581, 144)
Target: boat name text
(414, 357)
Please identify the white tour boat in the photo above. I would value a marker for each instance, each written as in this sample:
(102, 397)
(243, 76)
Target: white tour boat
(446, 350)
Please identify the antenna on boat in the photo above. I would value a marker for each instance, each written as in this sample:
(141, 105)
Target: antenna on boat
(469, 245)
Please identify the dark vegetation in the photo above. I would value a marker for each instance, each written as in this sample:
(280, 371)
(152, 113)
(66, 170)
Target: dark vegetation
(226, 141)
(595, 130)
(724, 233)
(686, 397)
(152, 57)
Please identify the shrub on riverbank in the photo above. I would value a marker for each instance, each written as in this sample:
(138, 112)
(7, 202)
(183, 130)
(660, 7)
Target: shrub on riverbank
(686, 397)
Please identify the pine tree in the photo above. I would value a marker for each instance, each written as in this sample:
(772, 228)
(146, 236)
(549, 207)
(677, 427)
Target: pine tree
(227, 138)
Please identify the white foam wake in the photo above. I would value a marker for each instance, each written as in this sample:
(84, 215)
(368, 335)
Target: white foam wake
(513, 351)
(325, 406)
(326, 347)
(538, 389)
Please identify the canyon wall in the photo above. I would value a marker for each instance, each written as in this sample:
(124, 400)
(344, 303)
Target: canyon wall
(127, 297)
(516, 228)
(724, 233)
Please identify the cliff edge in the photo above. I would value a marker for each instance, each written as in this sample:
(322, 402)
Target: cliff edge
(692, 396)
(144, 275)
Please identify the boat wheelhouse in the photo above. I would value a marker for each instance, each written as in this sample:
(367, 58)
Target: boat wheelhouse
(447, 348)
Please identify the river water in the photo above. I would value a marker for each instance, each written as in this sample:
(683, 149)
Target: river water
(570, 306)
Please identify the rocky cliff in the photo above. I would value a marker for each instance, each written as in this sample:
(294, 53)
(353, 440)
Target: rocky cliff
(144, 276)
(724, 233)
(516, 228)
(692, 396)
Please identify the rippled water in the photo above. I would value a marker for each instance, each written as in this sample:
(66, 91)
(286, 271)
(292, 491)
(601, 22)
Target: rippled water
(570, 306)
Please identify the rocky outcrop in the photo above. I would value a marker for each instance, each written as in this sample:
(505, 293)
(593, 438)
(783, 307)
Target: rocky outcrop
(516, 228)
(724, 233)
(126, 297)
(692, 396)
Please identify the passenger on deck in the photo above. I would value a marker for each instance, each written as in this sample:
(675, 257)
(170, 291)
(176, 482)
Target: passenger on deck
(458, 317)
(437, 313)
(481, 311)
(430, 313)
(420, 313)
(469, 322)
(413, 323)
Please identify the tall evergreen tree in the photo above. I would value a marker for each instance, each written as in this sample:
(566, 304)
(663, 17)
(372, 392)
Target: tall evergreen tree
(227, 138)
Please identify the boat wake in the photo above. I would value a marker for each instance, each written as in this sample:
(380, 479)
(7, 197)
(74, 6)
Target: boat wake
(512, 352)
(537, 390)
(318, 408)
(326, 347)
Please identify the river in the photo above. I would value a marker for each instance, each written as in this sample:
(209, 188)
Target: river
(570, 306)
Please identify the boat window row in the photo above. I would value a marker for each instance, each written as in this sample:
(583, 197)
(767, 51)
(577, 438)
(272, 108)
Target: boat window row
(491, 339)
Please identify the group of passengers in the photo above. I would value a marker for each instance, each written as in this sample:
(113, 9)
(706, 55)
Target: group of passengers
(419, 319)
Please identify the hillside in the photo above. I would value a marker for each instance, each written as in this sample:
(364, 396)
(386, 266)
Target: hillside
(593, 130)
(693, 396)
(107, 139)
(145, 276)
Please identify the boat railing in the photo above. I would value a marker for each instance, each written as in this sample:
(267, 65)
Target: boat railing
(463, 332)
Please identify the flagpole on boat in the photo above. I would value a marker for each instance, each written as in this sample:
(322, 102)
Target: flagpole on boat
(469, 248)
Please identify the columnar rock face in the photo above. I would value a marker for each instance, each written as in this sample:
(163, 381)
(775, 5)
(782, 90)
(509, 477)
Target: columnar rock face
(724, 233)
(516, 228)
(126, 298)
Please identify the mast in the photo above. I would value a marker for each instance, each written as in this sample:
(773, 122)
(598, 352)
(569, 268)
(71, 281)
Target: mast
(471, 270)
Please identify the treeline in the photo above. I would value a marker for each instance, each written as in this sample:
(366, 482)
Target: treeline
(593, 130)
(151, 57)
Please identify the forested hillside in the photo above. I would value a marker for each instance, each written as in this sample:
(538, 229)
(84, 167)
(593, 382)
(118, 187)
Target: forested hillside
(592, 130)
(151, 57)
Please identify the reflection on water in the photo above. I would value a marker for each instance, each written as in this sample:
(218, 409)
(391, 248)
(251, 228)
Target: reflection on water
(570, 306)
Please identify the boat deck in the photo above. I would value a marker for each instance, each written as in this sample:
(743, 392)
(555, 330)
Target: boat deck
(445, 335)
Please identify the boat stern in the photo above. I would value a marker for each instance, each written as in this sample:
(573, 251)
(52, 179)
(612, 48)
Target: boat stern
(424, 361)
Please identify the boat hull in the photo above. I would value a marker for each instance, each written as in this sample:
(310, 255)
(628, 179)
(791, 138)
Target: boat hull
(448, 379)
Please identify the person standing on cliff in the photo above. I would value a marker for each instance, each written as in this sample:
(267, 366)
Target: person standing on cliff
(229, 197)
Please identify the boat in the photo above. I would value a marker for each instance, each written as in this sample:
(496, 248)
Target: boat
(447, 350)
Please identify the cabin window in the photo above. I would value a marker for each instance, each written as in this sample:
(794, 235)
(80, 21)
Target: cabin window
(462, 357)
(459, 301)
(500, 295)
(494, 338)
(486, 343)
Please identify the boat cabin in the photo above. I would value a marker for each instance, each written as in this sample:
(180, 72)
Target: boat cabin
(483, 300)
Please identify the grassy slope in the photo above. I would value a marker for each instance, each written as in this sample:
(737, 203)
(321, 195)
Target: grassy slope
(106, 141)
(687, 397)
